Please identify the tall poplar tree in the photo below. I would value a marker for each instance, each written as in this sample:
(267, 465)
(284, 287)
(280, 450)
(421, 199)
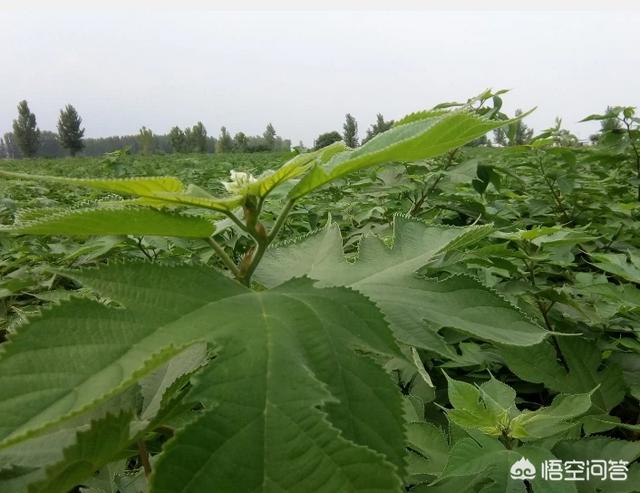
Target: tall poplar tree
(69, 132)
(378, 127)
(269, 136)
(350, 127)
(224, 142)
(26, 131)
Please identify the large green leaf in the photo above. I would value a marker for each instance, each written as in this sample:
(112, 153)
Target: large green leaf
(115, 221)
(421, 136)
(625, 266)
(155, 191)
(540, 364)
(292, 375)
(387, 276)
(130, 186)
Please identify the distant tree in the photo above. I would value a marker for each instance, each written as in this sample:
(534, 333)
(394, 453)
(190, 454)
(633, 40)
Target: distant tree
(69, 132)
(25, 130)
(479, 142)
(283, 145)
(515, 134)
(178, 140)
(146, 141)
(377, 128)
(211, 144)
(350, 127)
(198, 138)
(563, 137)
(3, 150)
(11, 147)
(500, 137)
(609, 125)
(326, 139)
(300, 147)
(257, 143)
(240, 142)
(225, 142)
(269, 136)
(50, 145)
(188, 140)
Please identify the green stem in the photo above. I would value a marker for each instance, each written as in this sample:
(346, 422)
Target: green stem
(281, 219)
(556, 197)
(263, 243)
(143, 249)
(236, 221)
(226, 260)
(415, 209)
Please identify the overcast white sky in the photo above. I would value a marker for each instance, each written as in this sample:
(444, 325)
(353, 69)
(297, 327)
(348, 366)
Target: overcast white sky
(304, 70)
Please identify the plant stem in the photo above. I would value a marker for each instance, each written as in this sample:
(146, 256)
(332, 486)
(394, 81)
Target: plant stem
(607, 247)
(144, 458)
(226, 260)
(281, 219)
(264, 243)
(556, 197)
(143, 249)
(235, 219)
(244, 271)
(415, 209)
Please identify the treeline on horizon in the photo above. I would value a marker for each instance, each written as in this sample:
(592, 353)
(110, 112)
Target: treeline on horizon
(27, 140)
(50, 147)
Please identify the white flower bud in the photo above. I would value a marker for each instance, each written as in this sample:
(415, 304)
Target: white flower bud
(239, 182)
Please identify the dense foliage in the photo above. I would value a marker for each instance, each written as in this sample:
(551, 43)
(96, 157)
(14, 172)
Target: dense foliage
(415, 314)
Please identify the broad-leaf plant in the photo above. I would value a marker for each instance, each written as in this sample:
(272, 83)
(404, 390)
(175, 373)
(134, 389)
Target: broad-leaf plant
(293, 366)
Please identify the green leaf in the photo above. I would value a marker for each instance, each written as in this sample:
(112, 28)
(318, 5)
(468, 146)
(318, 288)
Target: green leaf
(496, 393)
(154, 191)
(388, 277)
(540, 364)
(146, 186)
(551, 420)
(154, 386)
(292, 169)
(115, 221)
(626, 266)
(471, 411)
(34, 460)
(294, 394)
(418, 136)
(93, 448)
(428, 449)
(263, 424)
(490, 460)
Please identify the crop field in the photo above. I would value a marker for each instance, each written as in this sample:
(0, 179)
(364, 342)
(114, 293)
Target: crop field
(421, 313)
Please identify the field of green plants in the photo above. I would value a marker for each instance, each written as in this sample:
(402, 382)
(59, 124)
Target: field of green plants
(416, 314)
